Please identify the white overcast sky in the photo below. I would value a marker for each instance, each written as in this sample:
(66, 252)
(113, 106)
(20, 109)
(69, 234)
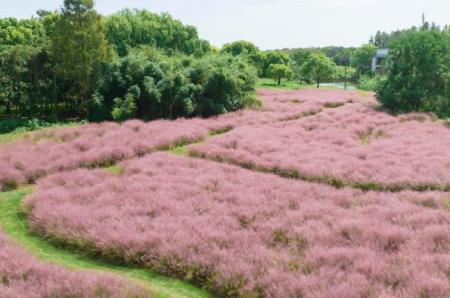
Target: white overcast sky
(273, 23)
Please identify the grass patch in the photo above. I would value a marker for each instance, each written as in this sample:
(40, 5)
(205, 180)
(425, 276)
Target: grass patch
(220, 131)
(183, 149)
(300, 115)
(22, 131)
(115, 170)
(333, 105)
(180, 150)
(14, 223)
(265, 83)
(366, 138)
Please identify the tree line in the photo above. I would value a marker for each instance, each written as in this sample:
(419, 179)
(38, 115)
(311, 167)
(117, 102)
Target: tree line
(307, 65)
(75, 63)
(416, 73)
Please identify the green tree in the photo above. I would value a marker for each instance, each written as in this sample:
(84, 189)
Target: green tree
(125, 108)
(246, 49)
(150, 85)
(273, 57)
(131, 28)
(381, 39)
(362, 59)
(79, 47)
(24, 80)
(318, 67)
(24, 32)
(278, 72)
(418, 73)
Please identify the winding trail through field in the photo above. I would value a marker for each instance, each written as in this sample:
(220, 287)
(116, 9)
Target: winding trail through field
(14, 224)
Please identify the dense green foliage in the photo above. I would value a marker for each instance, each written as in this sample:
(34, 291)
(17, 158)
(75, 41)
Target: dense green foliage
(10, 125)
(247, 50)
(345, 73)
(383, 39)
(318, 67)
(28, 31)
(294, 59)
(79, 47)
(278, 72)
(152, 85)
(77, 64)
(418, 73)
(362, 59)
(131, 28)
(340, 55)
(369, 83)
(273, 57)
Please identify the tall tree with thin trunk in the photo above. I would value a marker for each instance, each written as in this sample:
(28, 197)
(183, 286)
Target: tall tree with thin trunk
(278, 72)
(79, 47)
(318, 67)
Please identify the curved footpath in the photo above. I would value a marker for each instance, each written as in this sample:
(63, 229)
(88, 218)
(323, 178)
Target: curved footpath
(14, 224)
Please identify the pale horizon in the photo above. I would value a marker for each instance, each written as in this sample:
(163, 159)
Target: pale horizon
(274, 24)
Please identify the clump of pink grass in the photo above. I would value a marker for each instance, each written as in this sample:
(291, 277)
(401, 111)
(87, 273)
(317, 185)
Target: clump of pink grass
(90, 145)
(284, 105)
(351, 145)
(23, 276)
(241, 233)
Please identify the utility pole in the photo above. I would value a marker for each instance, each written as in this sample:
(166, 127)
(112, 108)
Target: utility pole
(345, 76)
(346, 60)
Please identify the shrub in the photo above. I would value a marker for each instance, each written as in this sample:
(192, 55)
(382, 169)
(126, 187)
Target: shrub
(418, 73)
(362, 58)
(125, 109)
(10, 125)
(369, 83)
(150, 85)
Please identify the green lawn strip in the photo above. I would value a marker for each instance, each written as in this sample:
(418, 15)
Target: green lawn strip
(21, 132)
(14, 224)
(265, 83)
(183, 149)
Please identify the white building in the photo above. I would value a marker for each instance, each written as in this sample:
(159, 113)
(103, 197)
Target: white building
(378, 60)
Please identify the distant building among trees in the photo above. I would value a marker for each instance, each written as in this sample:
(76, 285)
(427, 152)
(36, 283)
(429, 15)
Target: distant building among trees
(378, 60)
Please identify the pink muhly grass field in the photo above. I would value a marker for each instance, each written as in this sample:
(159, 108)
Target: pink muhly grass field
(242, 233)
(354, 144)
(285, 105)
(23, 276)
(55, 150)
(90, 145)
